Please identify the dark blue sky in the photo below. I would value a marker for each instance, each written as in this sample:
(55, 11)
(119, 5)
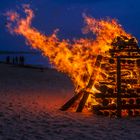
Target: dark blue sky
(67, 16)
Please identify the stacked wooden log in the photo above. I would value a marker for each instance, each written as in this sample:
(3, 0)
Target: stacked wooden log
(123, 98)
(119, 86)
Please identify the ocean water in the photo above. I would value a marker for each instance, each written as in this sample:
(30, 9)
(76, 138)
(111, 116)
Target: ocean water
(30, 59)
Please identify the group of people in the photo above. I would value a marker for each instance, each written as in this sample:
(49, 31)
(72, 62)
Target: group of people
(15, 60)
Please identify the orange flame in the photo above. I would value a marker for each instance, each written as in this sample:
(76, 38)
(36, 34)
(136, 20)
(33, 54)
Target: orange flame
(75, 59)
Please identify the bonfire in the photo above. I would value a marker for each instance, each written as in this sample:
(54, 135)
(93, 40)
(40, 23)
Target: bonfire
(105, 70)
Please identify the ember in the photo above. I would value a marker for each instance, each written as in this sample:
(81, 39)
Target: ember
(105, 71)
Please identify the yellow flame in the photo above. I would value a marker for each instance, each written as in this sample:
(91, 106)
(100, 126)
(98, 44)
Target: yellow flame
(75, 59)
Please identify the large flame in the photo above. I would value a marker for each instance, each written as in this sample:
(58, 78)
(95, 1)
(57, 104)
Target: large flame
(77, 58)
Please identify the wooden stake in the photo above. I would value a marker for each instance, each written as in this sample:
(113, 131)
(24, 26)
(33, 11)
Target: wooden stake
(83, 102)
(119, 114)
(83, 92)
(68, 104)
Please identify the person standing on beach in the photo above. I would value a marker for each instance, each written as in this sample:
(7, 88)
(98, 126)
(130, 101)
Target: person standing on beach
(16, 60)
(22, 60)
(13, 60)
(8, 59)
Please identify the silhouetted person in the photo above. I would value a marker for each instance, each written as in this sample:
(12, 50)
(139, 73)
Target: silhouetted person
(13, 60)
(8, 59)
(16, 60)
(22, 60)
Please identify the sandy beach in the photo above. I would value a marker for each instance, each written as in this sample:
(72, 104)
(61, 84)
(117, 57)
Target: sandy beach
(29, 110)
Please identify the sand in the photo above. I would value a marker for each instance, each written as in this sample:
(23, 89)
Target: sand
(29, 110)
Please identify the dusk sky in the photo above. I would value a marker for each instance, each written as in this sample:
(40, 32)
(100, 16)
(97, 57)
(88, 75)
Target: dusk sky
(67, 16)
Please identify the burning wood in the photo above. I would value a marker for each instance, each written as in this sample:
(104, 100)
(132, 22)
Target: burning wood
(105, 71)
(122, 99)
(84, 93)
(120, 90)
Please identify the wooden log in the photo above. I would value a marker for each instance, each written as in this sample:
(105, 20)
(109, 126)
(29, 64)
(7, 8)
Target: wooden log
(106, 113)
(68, 104)
(138, 62)
(138, 101)
(138, 90)
(131, 101)
(94, 72)
(123, 102)
(109, 107)
(90, 84)
(136, 113)
(130, 113)
(114, 107)
(82, 102)
(129, 106)
(83, 92)
(105, 102)
(119, 114)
